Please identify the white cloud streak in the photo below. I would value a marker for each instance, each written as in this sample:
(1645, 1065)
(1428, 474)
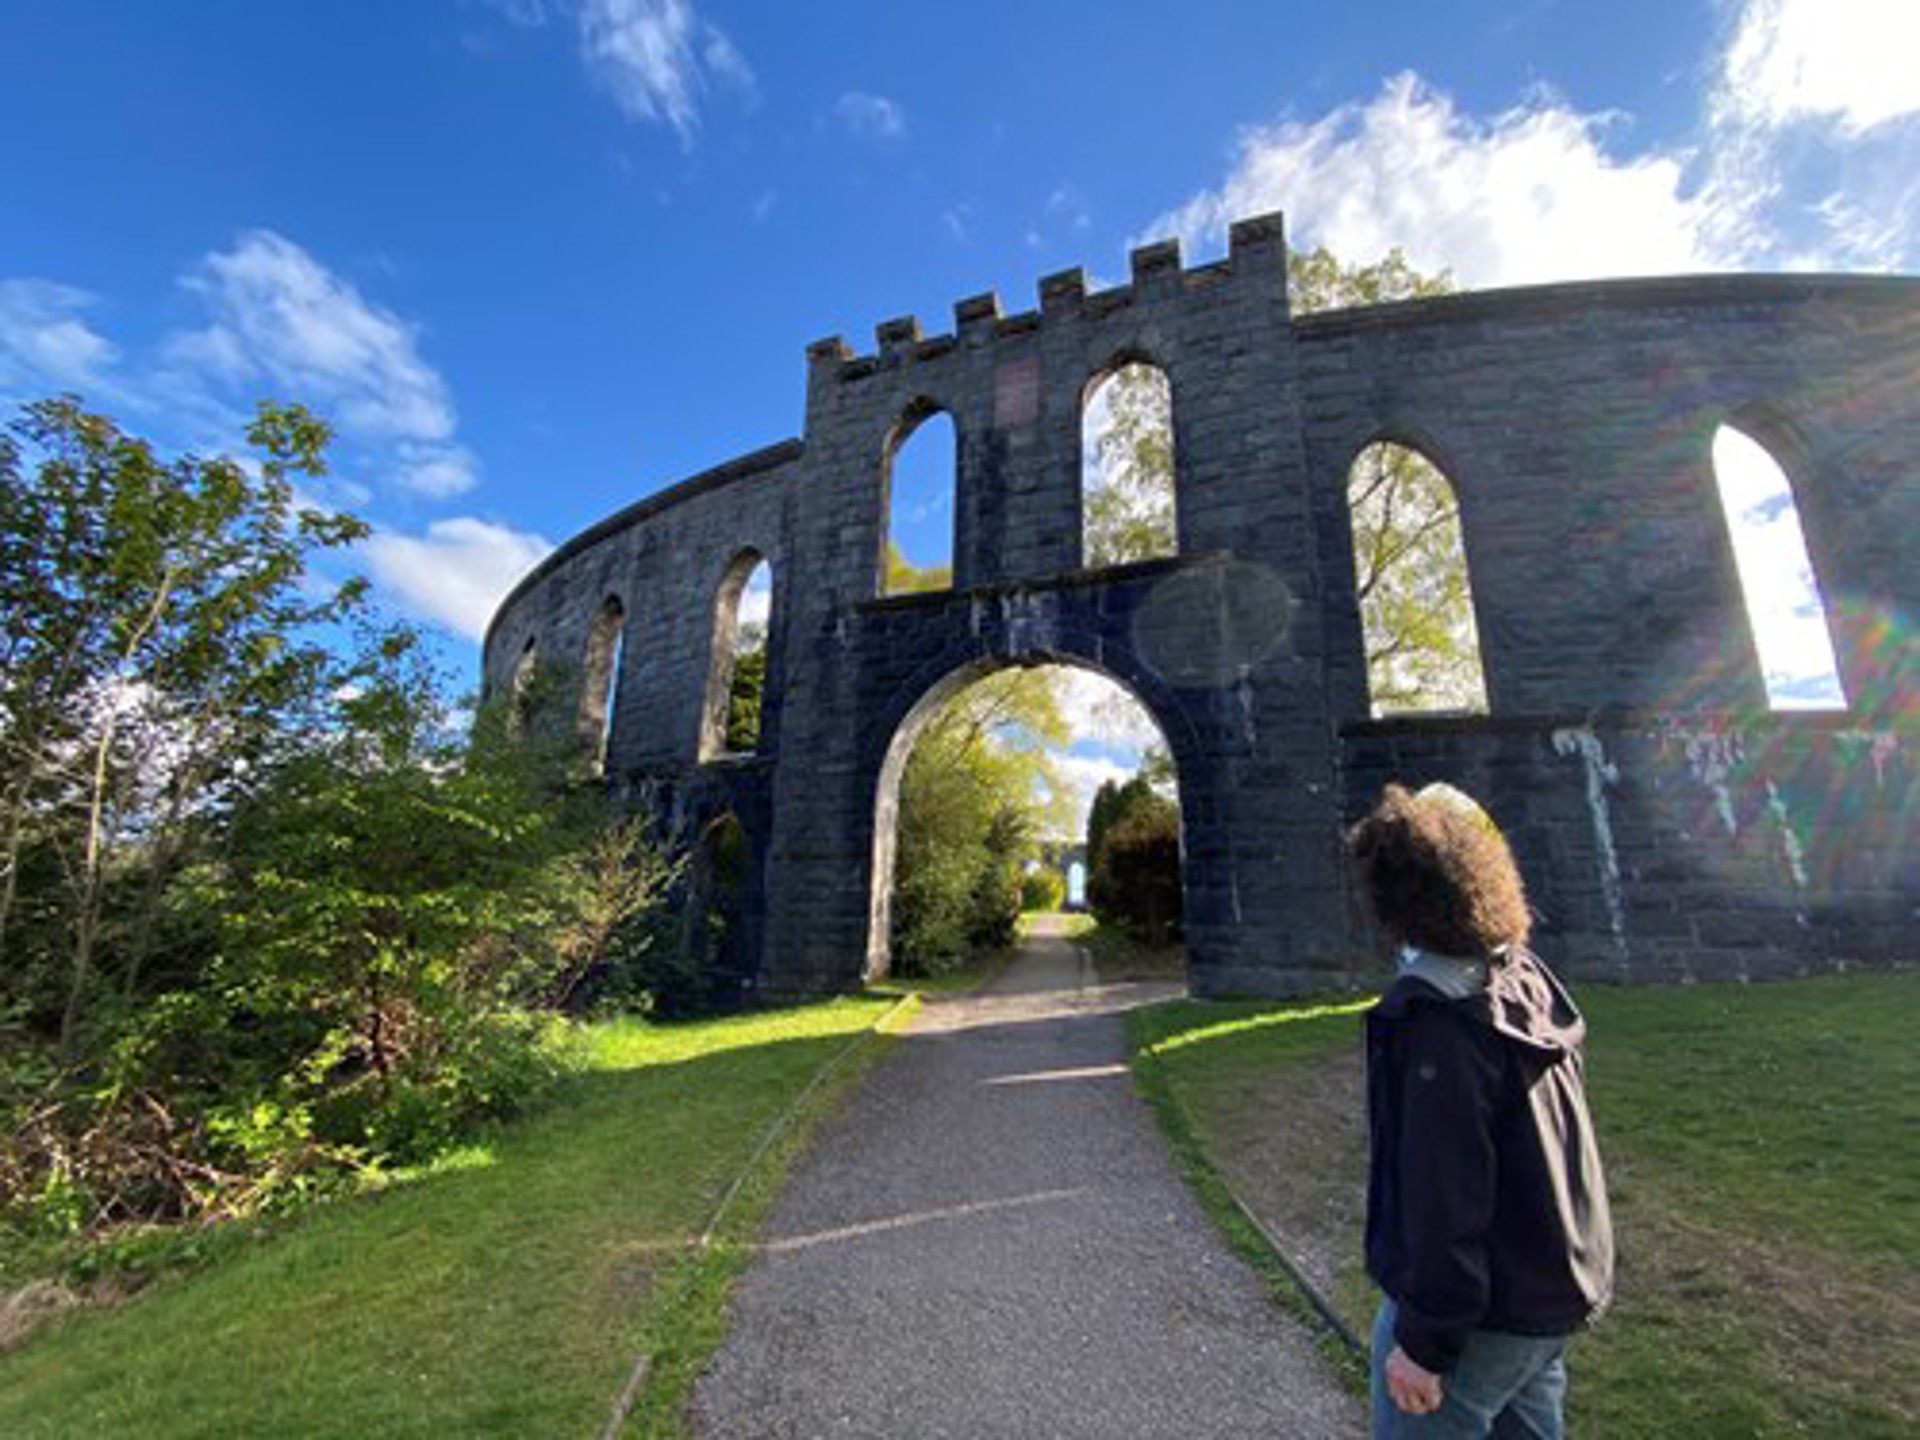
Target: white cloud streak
(278, 317)
(1853, 62)
(1806, 156)
(456, 573)
(278, 314)
(46, 345)
(656, 59)
(870, 117)
(1530, 195)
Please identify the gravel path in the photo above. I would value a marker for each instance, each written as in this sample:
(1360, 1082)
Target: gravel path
(991, 1241)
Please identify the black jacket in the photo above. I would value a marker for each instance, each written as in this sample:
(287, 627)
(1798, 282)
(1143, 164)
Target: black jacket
(1486, 1206)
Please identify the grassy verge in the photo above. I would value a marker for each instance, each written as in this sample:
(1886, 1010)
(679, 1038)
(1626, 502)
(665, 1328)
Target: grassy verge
(506, 1293)
(1118, 956)
(1760, 1149)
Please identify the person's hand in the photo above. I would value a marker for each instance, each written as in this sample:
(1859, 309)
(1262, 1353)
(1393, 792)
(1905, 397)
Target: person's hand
(1413, 1387)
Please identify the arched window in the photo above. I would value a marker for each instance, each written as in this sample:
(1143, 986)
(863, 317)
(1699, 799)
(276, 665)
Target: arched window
(737, 675)
(1784, 609)
(600, 681)
(1410, 574)
(917, 489)
(520, 689)
(1127, 467)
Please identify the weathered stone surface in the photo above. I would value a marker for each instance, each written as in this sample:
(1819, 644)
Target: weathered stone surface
(1668, 824)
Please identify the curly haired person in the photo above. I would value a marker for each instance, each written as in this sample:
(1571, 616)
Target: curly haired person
(1487, 1222)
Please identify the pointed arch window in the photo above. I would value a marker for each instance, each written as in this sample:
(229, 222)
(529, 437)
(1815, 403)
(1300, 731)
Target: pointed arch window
(737, 674)
(1410, 576)
(918, 470)
(1127, 485)
(1785, 611)
(600, 681)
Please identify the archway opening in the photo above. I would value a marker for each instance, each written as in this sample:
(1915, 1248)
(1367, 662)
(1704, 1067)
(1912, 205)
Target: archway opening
(600, 682)
(1127, 476)
(1785, 611)
(1411, 581)
(723, 865)
(993, 788)
(737, 673)
(520, 688)
(918, 472)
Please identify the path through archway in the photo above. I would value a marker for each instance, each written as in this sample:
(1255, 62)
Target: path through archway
(997, 781)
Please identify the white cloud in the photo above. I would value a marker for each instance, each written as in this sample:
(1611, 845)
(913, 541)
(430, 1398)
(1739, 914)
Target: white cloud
(870, 117)
(1855, 62)
(1531, 195)
(756, 600)
(1813, 129)
(527, 14)
(457, 573)
(655, 58)
(45, 345)
(280, 315)
(277, 317)
(436, 471)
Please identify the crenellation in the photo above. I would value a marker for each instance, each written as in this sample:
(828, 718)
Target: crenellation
(1063, 290)
(897, 337)
(976, 315)
(1154, 264)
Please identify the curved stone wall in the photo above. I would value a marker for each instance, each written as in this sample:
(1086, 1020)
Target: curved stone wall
(1667, 822)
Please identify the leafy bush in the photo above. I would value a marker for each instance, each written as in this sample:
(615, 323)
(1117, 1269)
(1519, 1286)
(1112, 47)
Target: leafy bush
(1134, 844)
(1044, 889)
(268, 922)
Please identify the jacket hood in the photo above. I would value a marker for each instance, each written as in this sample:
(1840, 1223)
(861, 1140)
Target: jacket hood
(1521, 1000)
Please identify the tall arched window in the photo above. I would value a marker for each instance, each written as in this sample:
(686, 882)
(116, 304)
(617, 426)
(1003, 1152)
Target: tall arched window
(1127, 467)
(600, 681)
(1410, 573)
(737, 674)
(1784, 607)
(520, 689)
(917, 489)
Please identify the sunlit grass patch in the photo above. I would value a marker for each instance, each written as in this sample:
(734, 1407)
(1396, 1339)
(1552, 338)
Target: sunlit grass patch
(504, 1291)
(1766, 1186)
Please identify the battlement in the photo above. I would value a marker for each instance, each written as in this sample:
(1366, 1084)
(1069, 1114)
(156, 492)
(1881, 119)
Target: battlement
(1256, 254)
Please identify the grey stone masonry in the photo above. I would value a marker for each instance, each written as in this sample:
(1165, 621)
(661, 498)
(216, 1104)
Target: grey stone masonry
(1669, 824)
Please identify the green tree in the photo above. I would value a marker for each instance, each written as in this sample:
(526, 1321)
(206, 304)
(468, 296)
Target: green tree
(266, 918)
(904, 578)
(159, 643)
(971, 804)
(1128, 491)
(746, 690)
(1415, 603)
(1133, 858)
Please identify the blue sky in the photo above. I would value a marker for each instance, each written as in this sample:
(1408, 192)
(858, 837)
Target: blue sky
(538, 258)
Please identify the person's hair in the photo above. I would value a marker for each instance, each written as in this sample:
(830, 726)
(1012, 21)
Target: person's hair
(1438, 873)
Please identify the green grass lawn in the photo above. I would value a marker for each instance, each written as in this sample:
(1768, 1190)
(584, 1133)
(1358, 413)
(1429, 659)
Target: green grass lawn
(1762, 1153)
(507, 1293)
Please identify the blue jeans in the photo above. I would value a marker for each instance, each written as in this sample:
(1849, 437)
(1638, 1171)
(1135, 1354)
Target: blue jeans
(1508, 1387)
